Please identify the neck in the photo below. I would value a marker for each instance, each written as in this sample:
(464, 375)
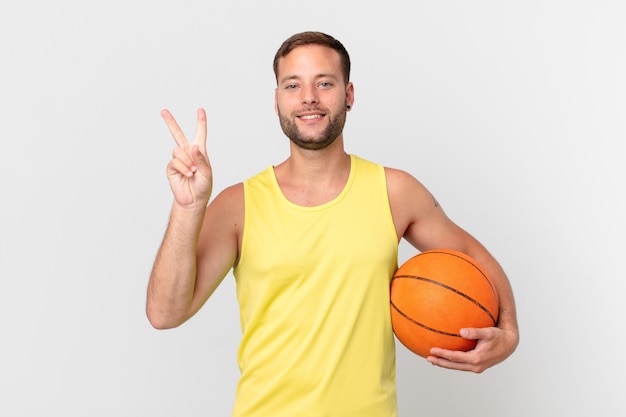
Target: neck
(314, 177)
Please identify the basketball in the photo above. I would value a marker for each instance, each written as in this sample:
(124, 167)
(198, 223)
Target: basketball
(436, 293)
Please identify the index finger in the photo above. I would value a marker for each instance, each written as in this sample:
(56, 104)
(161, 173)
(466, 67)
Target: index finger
(175, 130)
(201, 130)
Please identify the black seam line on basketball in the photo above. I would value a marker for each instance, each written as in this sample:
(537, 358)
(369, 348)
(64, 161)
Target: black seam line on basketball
(421, 324)
(430, 281)
(432, 252)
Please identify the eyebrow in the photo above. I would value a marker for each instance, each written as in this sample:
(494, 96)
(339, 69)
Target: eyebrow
(297, 77)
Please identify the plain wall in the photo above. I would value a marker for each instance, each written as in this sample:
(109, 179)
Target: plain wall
(512, 113)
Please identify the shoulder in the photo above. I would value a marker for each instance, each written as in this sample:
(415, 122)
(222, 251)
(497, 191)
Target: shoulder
(223, 219)
(233, 192)
(230, 201)
(220, 236)
(401, 184)
(410, 201)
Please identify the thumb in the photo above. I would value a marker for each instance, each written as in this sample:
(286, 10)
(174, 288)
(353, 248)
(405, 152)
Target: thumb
(469, 333)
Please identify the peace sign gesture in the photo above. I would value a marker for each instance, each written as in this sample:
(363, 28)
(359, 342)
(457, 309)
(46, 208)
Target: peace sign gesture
(189, 172)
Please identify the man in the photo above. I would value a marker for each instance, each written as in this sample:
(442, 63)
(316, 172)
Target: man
(313, 242)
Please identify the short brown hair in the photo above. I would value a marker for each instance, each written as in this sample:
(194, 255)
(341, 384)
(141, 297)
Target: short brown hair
(314, 38)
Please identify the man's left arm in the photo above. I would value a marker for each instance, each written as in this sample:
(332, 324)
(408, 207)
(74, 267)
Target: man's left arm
(421, 221)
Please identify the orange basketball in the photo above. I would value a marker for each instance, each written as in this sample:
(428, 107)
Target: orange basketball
(435, 294)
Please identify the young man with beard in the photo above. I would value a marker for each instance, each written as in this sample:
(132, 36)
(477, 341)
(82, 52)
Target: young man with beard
(313, 244)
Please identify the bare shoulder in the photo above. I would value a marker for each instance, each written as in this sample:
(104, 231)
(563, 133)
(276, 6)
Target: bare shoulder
(226, 211)
(230, 195)
(402, 186)
(411, 203)
(229, 199)
(220, 236)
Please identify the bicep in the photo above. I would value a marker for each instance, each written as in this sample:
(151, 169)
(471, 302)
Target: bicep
(433, 229)
(420, 219)
(218, 242)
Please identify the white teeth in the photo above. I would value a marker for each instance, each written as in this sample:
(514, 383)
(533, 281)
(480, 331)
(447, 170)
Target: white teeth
(310, 117)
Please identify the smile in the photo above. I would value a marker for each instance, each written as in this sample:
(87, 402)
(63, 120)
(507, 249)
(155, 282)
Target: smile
(311, 116)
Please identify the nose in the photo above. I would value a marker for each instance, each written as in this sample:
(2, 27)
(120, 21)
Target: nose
(309, 94)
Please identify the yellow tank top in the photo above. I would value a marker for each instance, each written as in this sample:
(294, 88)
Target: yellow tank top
(313, 291)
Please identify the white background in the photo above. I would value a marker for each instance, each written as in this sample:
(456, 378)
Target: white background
(512, 113)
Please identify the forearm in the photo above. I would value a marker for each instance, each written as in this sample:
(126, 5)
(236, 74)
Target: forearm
(507, 317)
(507, 313)
(173, 278)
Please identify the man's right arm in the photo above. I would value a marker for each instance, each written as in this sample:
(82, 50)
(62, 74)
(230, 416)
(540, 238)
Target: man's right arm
(199, 248)
(201, 242)
(172, 280)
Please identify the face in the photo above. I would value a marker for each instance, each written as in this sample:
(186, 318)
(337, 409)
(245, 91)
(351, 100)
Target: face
(312, 97)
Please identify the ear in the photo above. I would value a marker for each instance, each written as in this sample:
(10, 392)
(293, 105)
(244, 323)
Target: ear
(350, 95)
(276, 101)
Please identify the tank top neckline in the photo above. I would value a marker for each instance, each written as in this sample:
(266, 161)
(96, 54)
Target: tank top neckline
(323, 206)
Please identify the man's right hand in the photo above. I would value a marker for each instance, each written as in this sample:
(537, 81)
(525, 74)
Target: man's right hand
(189, 172)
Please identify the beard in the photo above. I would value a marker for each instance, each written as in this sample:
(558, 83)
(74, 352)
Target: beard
(313, 142)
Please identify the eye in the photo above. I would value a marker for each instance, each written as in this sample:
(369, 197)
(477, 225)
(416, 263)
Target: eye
(325, 84)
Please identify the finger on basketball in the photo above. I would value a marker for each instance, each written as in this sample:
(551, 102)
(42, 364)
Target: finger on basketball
(450, 364)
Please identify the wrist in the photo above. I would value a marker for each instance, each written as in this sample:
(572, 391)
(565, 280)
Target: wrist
(190, 215)
(198, 206)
